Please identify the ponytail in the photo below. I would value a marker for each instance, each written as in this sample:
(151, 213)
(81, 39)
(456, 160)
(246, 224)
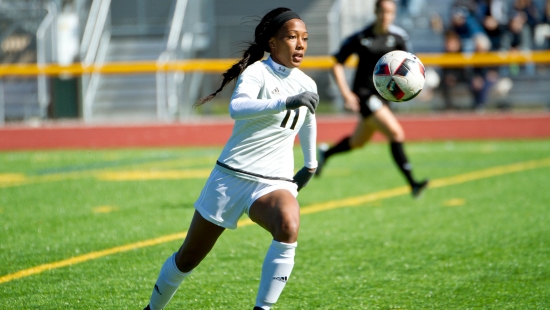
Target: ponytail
(266, 29)
(250, 56)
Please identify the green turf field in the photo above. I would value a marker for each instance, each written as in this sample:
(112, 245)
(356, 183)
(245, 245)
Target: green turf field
(90, 230)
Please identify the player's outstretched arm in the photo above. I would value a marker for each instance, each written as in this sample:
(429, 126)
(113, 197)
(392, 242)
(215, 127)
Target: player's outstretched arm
(351, 101)
(308, 138)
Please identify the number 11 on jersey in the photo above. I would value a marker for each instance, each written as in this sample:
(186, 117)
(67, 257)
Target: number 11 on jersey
(287, 116)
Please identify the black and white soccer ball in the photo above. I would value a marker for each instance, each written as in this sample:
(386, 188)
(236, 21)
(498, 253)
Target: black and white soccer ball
(399, 76)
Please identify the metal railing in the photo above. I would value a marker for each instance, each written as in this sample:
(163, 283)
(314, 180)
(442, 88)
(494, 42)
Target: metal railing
(345, 17)
(333, 18)
(89, 28)
(167, 94)
(198, 67)
(444, 60)
(176, 89)
(43, 44)
(2, 103)
(93, 50)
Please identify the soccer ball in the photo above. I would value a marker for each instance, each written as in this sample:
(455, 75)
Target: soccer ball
(399, 76)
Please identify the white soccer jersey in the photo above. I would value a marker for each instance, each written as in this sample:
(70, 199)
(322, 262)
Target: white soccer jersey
(260, 146)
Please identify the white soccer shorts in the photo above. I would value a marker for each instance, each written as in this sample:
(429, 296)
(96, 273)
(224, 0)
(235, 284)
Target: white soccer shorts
(225, 197)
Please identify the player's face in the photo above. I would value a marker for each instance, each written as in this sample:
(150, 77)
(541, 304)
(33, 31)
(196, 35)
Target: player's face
(452, 44)
(289, 45)
(385, 14)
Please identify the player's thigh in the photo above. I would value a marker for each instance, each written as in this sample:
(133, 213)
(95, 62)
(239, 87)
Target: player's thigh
(279, 213)
(363, 133)
(200, 239)
(385, 121)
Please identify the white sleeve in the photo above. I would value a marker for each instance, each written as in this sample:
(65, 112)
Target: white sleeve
(244, 103)
(308, 137)
(242, 106)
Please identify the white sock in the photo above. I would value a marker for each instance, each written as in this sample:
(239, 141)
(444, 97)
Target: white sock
(169, 280)
(276, 270)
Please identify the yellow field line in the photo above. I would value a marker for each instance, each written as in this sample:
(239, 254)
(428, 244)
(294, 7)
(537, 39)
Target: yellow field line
(329, 205)
(122, 175)
(403, 190)
(16, 179)
(491, 172)
(153, 175)
(90, 256)
(26, 180)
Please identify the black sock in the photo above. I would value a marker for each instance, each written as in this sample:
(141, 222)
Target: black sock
(401, 160)
(342, 146)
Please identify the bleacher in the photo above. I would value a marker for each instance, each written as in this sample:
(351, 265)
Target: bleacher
(529, 88)
(142, 33)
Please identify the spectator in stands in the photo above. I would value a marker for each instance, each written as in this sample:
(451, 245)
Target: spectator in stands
(546, 12)
(466, 25)
(411, 8)
(546, 15)
(532, 13)
(519, 33)
(451, 76)
(523, 20)
(493, 17)
(542, 30)
(470, 5)
(483, 78)
(479, 80)
(436, 23)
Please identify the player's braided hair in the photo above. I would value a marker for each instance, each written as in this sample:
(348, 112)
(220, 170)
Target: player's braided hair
(253, 53)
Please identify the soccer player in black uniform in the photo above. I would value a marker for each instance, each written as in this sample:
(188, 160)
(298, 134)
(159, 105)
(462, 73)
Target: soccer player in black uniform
(370, 44)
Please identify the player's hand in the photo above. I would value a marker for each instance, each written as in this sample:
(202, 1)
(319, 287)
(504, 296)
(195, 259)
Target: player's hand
(306, 99)
(351, 102)
(303, 176)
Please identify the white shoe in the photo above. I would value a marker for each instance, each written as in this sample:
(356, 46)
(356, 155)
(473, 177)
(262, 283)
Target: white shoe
(321, 150)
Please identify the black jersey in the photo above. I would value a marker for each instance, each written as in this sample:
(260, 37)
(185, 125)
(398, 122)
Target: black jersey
(369, 47)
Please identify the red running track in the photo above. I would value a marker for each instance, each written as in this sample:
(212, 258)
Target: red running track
(216, 133)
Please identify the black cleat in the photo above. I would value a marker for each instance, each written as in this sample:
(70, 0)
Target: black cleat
(147, 308)
(321, 160)
(418, 188)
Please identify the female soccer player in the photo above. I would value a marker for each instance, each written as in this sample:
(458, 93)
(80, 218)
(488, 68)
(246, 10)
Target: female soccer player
(272, 102)
(370, 44)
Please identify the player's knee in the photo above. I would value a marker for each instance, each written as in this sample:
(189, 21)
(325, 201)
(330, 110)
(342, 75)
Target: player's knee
(397, 135)
(287, 230)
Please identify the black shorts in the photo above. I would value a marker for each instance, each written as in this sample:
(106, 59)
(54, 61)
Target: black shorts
(370, 101)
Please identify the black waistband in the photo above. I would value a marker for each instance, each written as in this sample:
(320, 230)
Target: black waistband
(252, 174)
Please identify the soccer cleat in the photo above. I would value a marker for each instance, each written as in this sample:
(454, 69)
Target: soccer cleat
(147, 308)
(321, 160)
(418, 188)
